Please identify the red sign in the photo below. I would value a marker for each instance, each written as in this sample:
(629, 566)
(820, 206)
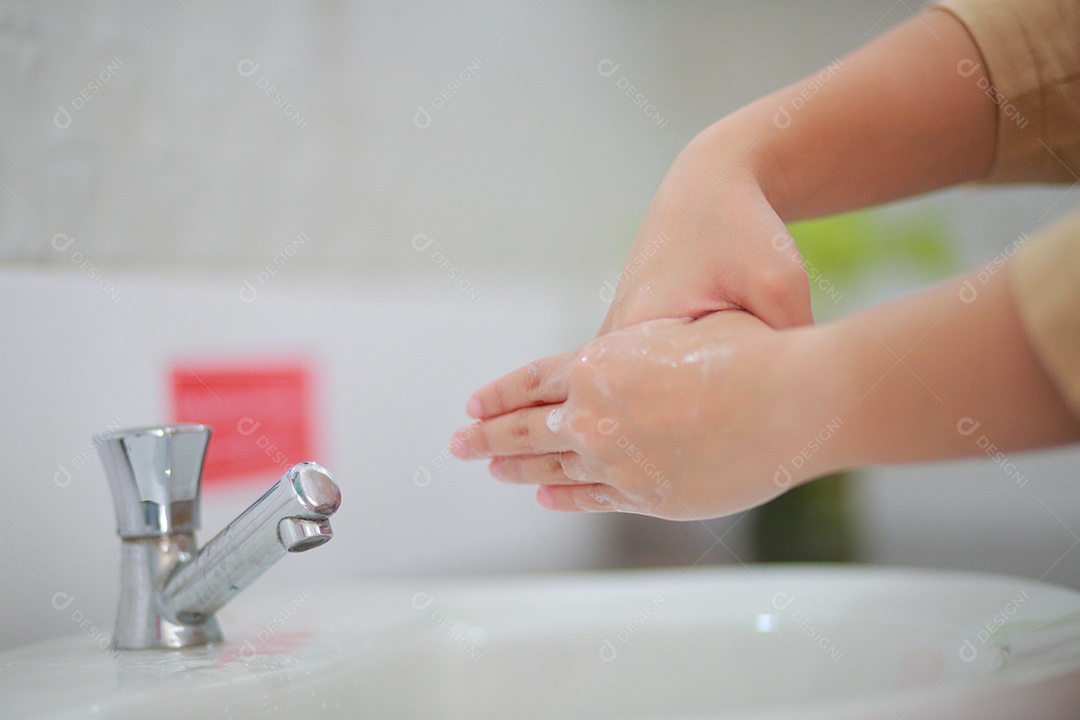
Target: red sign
(261, 416)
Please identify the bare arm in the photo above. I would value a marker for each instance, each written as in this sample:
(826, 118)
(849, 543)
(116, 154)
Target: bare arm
(942, 374)
(900, 116)
(892, 119)
(698, 419)
(686, 418)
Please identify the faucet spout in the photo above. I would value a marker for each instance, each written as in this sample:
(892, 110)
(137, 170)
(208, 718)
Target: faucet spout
(292, 516)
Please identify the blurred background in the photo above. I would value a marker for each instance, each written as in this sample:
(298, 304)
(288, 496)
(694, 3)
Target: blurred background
(387, 205)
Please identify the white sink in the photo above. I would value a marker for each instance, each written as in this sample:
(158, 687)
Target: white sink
(778, 642)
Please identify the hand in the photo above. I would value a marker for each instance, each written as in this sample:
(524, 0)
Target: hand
(674, 418)
(711, 241)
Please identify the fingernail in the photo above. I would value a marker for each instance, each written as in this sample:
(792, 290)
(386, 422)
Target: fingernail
(473, 408)
(496, 469)
(545, 498)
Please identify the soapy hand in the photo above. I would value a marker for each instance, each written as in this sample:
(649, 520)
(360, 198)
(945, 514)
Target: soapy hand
(673, 418)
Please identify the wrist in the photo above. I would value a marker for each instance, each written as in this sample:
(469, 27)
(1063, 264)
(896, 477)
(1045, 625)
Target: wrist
(822, 436)
(745, 144)
(731, 150)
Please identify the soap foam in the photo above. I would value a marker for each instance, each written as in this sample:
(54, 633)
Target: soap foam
(555, 418)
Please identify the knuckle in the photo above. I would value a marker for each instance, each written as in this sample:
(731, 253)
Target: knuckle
(532, 380)
(527, 429)
(554, 464)
(520, 429)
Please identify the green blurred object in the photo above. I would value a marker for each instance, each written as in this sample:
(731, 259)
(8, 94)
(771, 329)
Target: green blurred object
(810, 523)
(844, 248)
(814, 522)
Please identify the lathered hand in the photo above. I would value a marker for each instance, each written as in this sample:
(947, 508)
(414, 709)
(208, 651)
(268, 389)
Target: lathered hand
(671, 418)
(696, 419)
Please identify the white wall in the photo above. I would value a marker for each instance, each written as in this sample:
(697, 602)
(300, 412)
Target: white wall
(1018, 516)
(537, 160)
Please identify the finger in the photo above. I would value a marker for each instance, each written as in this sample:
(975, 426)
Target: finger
(523, 432)
(594, 497)
(562, 468)
(542, 382)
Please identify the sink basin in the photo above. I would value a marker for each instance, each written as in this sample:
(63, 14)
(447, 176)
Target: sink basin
(759, 642)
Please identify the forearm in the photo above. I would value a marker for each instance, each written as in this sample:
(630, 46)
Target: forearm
(930, 376)
(893, 119)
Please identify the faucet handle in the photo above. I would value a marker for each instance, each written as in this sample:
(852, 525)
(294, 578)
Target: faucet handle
(154, 474)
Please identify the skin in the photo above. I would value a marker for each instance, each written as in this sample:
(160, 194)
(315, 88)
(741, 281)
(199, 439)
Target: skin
(893, 120)
(682, 411)
(691, 419)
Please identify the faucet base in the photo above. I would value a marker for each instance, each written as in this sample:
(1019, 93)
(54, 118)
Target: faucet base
(140, 624)
(168, 636)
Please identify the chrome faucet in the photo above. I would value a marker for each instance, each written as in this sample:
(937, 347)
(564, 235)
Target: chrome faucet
(169, 589)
